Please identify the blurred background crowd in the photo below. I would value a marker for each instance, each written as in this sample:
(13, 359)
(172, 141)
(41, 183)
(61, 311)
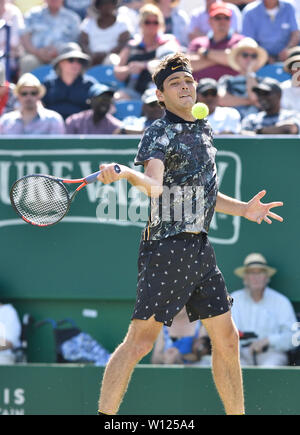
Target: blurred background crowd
(85, 66)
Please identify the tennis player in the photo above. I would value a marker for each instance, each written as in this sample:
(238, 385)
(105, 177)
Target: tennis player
(177, 265)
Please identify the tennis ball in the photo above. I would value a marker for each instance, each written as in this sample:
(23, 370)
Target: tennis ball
(200, 110)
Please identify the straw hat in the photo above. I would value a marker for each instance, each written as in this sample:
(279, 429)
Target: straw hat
(31, 81)
(69, 50)
(252, 261)
(293, 56)
(262, 55)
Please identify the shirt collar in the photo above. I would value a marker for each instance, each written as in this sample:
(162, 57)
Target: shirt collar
(176, 119)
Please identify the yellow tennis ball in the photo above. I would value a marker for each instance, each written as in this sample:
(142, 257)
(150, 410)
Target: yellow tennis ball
(200, 110)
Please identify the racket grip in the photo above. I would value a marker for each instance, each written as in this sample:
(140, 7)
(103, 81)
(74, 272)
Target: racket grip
(93, 177)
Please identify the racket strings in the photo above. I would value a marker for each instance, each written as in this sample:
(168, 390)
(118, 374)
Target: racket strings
(40, 200)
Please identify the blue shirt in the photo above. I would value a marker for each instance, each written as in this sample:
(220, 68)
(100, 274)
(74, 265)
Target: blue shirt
(272, 35)
(45, 122)
(68, 99)
(47, 29)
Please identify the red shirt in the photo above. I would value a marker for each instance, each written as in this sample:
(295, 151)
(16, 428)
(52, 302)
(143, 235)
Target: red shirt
(218, 70)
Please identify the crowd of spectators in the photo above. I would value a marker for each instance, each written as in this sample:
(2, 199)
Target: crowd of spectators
(228, 42)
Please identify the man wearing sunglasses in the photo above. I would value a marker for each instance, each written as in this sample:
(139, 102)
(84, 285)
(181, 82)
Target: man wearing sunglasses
(31, 118)
(223, 120)
(209, 53)
(271, 119)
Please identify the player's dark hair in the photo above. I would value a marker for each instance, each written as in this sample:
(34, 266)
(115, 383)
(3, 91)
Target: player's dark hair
(165, 68)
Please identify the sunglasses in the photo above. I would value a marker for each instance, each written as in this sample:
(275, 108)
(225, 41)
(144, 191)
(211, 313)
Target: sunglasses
(32, 93)
(245, 55)
(75, 59)
(151, 23)
(221, 17)
(212, 93)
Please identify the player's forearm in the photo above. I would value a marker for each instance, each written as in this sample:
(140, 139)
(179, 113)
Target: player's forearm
(226, 204)
(146, 184)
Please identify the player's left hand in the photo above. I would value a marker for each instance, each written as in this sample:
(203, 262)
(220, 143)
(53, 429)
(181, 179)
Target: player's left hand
(256, 211)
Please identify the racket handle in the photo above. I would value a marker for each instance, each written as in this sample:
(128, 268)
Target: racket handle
(93, 177)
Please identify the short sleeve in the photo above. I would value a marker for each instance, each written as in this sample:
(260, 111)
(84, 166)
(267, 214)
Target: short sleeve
(153, 145)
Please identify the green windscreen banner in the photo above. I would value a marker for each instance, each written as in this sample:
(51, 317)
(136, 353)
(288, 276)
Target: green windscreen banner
(92, 252)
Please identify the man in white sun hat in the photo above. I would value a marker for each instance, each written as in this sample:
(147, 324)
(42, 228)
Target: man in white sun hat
(32, 117)
(264, 312)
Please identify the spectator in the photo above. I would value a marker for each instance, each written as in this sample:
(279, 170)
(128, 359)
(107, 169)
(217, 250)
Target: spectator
(151, 110)
(273, 25)
(246, 57)
(105, 33)
(8, 100)
(266, 313)
(10, 333)
(272, 119)
(240, 3)
(129, 11)
(14, 18)
(96, 120)
(134, 58)
(182, 343)
(80, 7)
(67, 90)
(31, 117)
(176, 19)
(208, 53)
(47, 28)
(291, 88)
(26, 5)
(223, 120)
(199, 24)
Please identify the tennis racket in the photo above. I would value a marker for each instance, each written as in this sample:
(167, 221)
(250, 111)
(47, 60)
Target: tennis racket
(44, 200)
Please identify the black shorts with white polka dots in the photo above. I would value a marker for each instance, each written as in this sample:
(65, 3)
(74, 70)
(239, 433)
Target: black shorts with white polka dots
(179, 271)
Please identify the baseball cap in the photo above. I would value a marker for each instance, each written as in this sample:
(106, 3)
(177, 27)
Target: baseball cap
(149, 96)
(269, 85)
(207, 84)
(98, 89)
(219, 8)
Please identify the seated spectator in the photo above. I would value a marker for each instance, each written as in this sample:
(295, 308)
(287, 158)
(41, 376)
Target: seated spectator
(246, 57)
(26, 5)
(129, 11)
(31, 117)
(14, 18)
(182, 343)
(96, 120)
(80, 7)
(273, 25)
(264, 312)
(105, 33)
(133, 66)
(272, 119)
(176, 19)
(151, 110)
(8, 100)
(199, 24)
(296, 5)
(47, 28)
(67, 90)
(223, 120)
(291, 88)
(240, 3)
(10, 333)
(208, 53)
